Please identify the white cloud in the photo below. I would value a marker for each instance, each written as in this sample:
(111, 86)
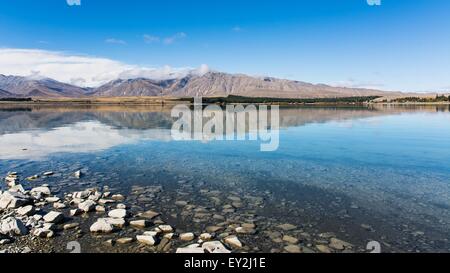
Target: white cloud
(149, 39)
(352, 83)
(115, 41)
(81, 137)
(73, 2)
(80, 69)
(172, 39)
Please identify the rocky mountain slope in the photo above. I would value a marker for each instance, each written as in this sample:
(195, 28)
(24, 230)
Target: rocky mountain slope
(209, 84)
(45, 87)
(5, 94)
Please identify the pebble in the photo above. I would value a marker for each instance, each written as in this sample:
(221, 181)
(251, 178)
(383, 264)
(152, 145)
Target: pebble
(52, 199)
(187, 236)
(233, 241)
(215, 247)
(293, 249)
(43, 233)
(87, 206)
(146, 239)
(165, 228)
(190, 250)
(118, 197)
(54, 217)
(78, 174)
(117, 222)
(117, 213)
(339, 244)
(139, 223)
(205, 237)
(105, 201)
(290, 239)
(213, 229)
(75, 212)
(13, 200)
(169, 235)
(324, 249)
(59, 205)
(12, 226)
(71, 226)
(26, 210)
(81, 194)
(286, 227)
(42, 190)
(101, 226)
(100, 209)
(244, 230)
(121, 206)
(124, 241)
(149, 214)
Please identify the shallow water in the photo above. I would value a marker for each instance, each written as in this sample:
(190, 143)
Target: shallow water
(363, 173)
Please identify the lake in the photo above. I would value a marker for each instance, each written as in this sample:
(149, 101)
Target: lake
(377, 173)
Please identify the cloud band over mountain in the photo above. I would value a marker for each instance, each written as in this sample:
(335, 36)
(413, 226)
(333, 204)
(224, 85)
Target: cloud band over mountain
(82, 70)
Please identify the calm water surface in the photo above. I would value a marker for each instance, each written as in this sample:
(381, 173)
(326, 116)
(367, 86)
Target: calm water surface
(363, 173)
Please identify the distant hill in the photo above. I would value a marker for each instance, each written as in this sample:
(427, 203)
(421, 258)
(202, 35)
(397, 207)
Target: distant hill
(5, 94)
(208, 85)
(223, 84)
(27, 87)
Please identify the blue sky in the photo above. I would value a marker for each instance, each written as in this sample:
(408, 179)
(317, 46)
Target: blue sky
(400, 45)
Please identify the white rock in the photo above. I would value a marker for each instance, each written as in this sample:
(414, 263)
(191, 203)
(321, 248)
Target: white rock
(190, 250)
(75, 212)
(54, 217)
(42, 190)
(150, 214)
(118, 213)
(100, 209)
(13, 200)
(139, 223)
(12, 226)
(215, 247)
(12, 180)
(151, 233)
(117, 197)
(101, 226)
(59, 205)
(25, 211)
(81, 194)
(121, 206)
(105, 201)
(50, 226)
(117, 222)
(71, 226)
(205, 236)
(17, 188)
(233, 241)
(87, 206)
(52, 199)
(168, 236)
(187, 236)
(165, 228)
(78, 174)
(146, 239)
(95, 197)
(43, 233)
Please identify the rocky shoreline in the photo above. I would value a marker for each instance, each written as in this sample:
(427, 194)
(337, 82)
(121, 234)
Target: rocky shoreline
(42, 219)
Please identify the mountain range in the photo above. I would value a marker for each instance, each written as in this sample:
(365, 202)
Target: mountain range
(210, 84)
